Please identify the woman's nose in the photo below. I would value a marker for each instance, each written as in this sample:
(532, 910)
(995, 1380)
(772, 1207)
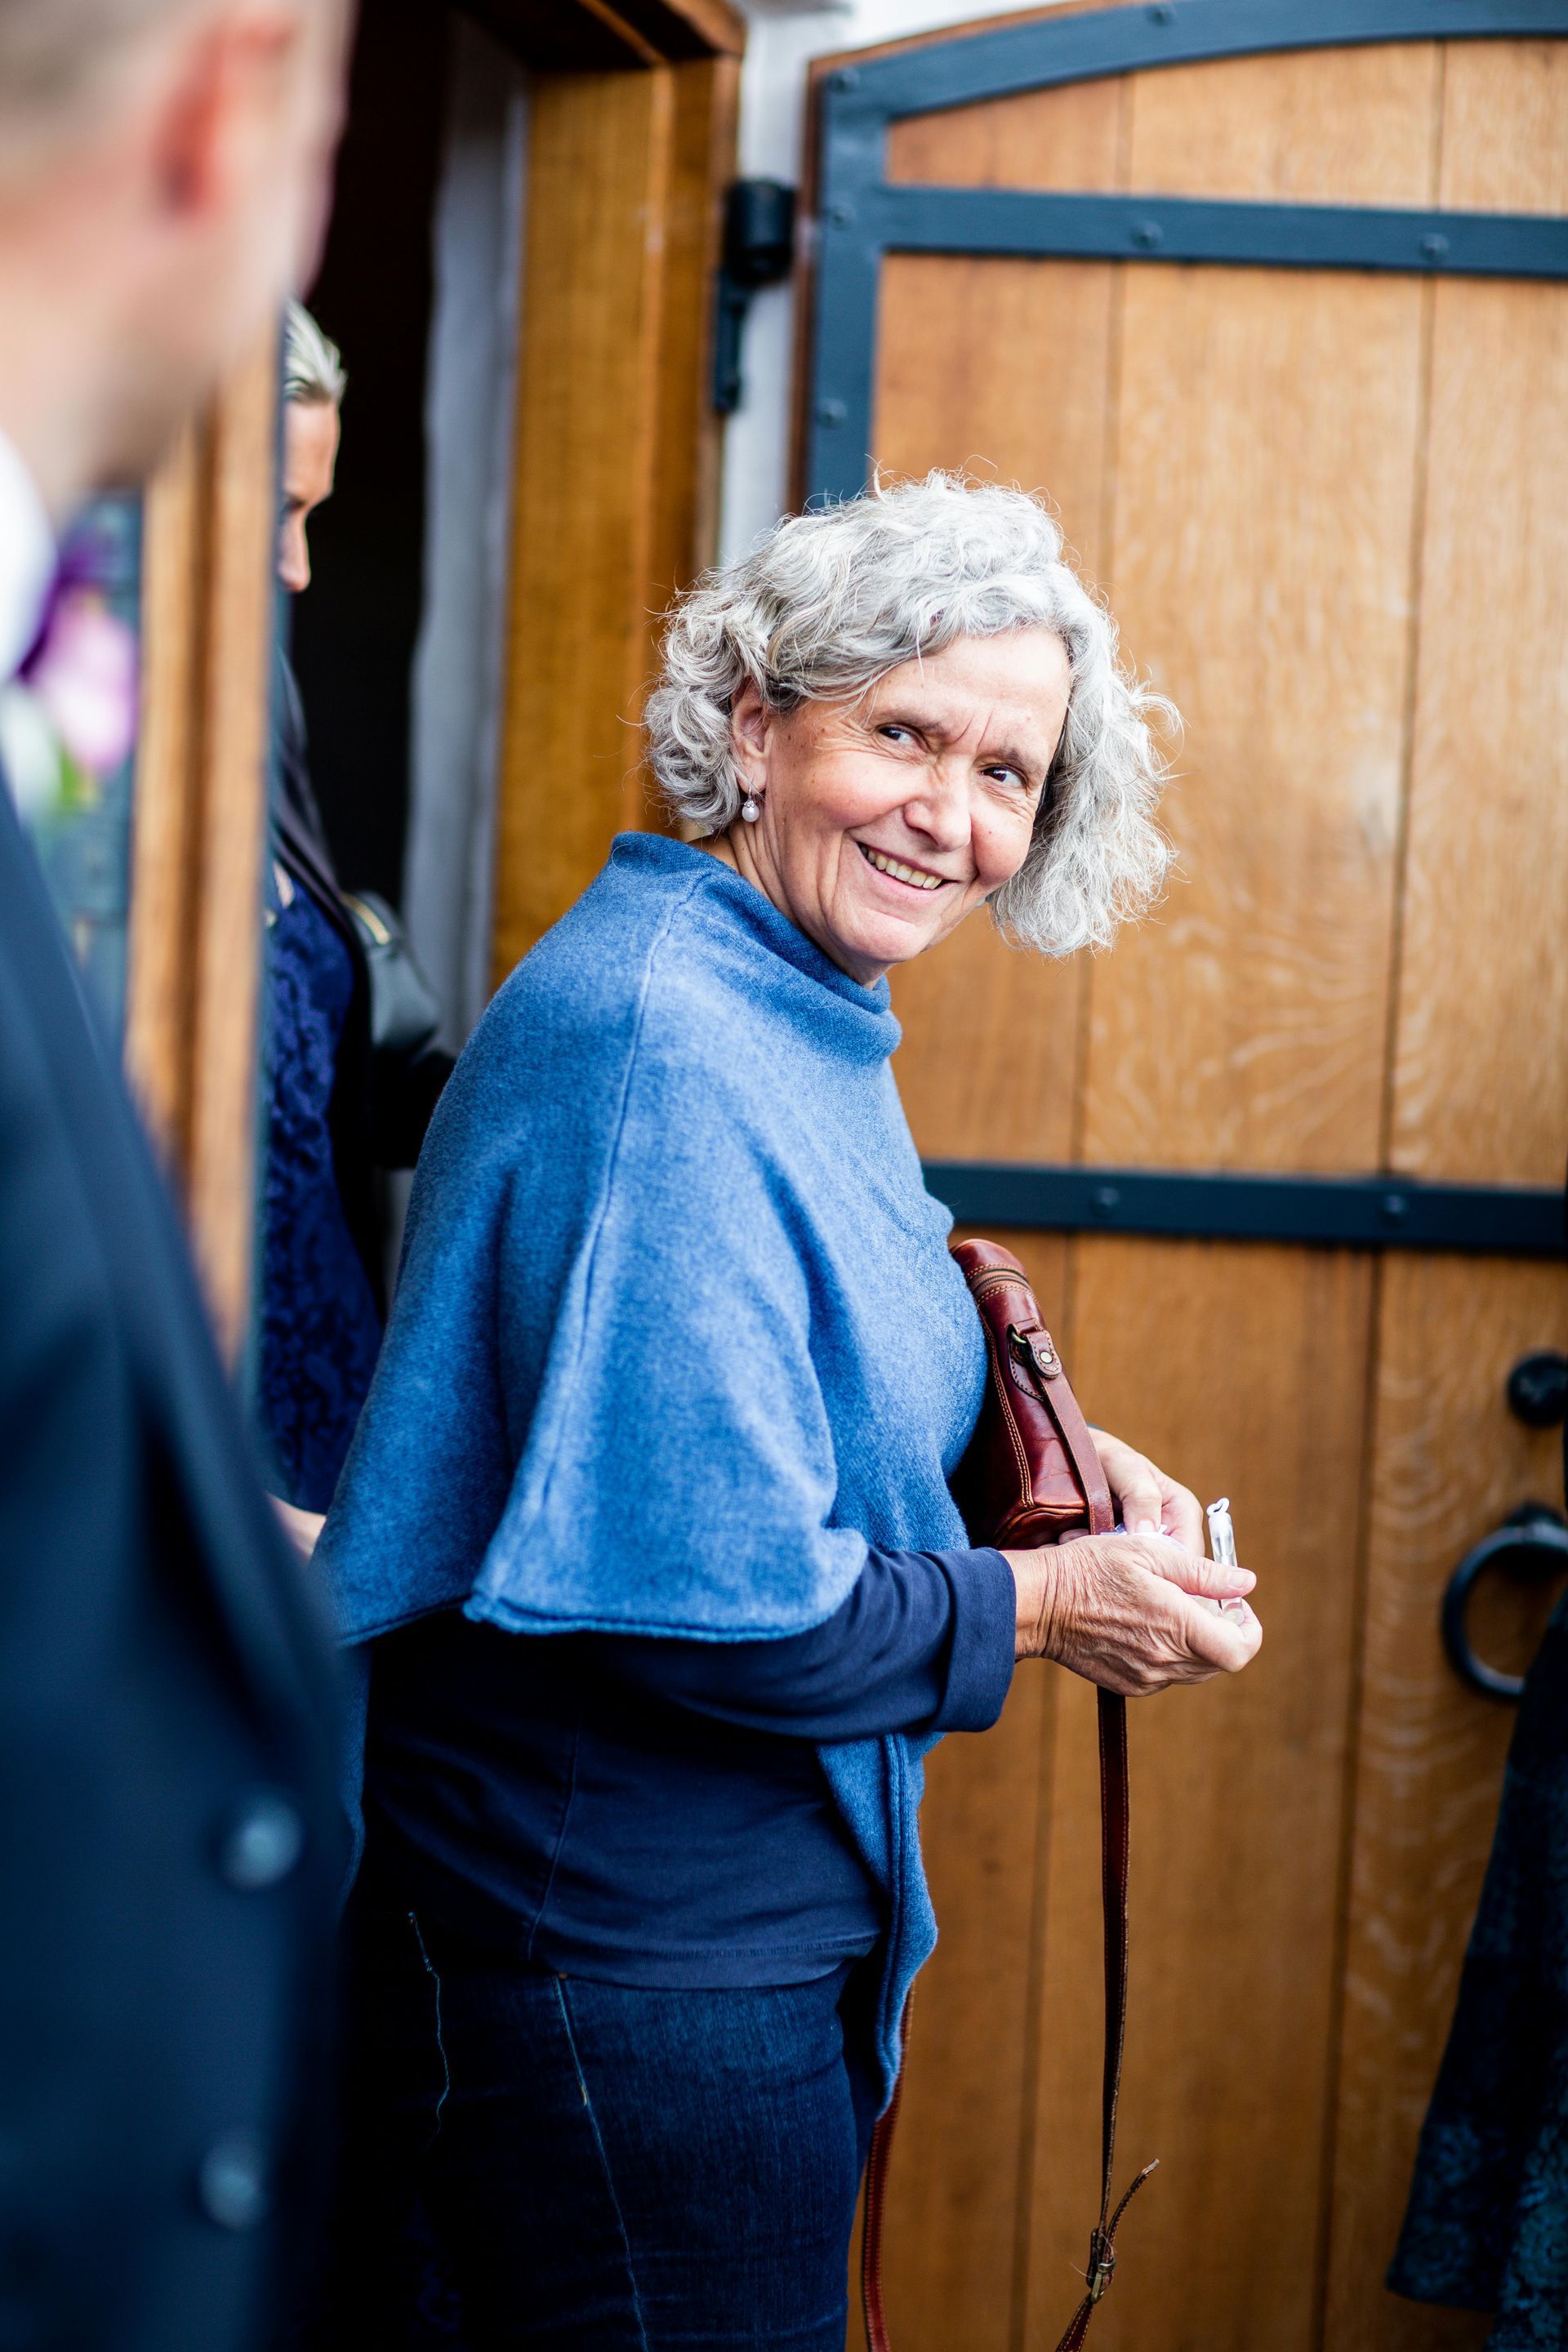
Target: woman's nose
(939, 810)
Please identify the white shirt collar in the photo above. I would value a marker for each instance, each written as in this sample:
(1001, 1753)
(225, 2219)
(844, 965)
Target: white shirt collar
(27, 558)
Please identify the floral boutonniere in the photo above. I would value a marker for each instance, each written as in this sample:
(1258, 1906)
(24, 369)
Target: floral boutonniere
(68, 719)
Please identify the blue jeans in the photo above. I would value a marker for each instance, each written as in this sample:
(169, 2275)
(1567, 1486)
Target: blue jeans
(578, 2167)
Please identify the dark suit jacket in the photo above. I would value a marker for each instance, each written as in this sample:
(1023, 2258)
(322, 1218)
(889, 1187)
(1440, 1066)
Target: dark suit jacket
(170, 1839)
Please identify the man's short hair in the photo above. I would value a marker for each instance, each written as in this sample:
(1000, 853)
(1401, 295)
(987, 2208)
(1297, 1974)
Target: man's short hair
(54, 53)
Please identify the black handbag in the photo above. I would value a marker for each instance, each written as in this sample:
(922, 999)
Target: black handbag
(405, 1011)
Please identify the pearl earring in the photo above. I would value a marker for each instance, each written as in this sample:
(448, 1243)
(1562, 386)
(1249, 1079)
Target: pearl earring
(751, 807)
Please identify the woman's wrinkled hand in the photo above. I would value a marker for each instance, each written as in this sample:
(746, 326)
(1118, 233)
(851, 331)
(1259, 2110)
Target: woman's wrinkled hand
(1147, 1501)
(1120, 1611)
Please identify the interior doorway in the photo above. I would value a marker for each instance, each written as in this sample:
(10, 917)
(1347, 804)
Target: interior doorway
(397, 642)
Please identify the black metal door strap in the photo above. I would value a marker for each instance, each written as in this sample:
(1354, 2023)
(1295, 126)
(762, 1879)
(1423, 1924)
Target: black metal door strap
(862, 216)
(1329, 1212)
(1533, 1545)
(758, 250)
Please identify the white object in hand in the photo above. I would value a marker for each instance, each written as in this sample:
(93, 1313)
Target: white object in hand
(1222, 1551)
(1222, 1535)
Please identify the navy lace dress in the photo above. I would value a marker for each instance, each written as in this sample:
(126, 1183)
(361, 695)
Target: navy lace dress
(321, 1330)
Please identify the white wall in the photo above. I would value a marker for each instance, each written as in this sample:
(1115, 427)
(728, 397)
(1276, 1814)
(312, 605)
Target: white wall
(783, 41)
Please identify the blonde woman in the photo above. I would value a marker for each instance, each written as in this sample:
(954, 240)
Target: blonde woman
(340, 1105)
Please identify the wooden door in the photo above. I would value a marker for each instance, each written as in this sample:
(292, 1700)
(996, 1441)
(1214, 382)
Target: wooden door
(1326, 504)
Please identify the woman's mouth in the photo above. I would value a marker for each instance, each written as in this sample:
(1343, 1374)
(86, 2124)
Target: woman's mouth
(916, 877)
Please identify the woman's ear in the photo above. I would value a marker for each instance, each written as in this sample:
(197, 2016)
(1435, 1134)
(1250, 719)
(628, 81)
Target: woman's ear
(749, 717)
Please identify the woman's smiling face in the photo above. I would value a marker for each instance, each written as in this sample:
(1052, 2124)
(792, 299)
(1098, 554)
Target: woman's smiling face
(885, 821)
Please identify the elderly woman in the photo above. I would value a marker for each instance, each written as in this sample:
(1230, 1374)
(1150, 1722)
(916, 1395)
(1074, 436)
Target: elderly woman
(647, 1521)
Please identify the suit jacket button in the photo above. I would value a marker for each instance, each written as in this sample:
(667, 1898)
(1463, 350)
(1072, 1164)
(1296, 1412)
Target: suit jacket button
(261, 1841)
(233, 2183)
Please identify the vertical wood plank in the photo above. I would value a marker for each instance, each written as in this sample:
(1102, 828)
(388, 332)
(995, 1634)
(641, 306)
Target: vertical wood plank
(1315, 126)
(951, 2199)
(1449, 1463)
(685, 486)
(614, 504)
(1269, 595)
(1262, 574)
(164, 803)
(989, 1065)
(1237, 1368)
(1039, 139)
(240, 602)
(1505, 126)
(615, 457)
(194, 962)
(1480, 1079)
(955, 2188)
(599, 159)
(1007, 369)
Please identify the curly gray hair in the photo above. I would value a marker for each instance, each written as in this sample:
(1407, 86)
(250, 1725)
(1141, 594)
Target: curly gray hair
(832, 601)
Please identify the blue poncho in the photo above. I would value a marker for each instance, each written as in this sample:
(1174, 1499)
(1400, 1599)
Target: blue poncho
(677, 1334)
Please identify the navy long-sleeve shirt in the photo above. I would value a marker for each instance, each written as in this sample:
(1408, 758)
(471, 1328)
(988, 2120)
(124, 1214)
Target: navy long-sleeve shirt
(655, 1812)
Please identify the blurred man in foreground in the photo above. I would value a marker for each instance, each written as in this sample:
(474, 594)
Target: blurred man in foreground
(168, 1848)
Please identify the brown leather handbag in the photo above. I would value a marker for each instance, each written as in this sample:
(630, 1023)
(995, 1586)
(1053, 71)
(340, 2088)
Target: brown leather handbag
(1031, 1475)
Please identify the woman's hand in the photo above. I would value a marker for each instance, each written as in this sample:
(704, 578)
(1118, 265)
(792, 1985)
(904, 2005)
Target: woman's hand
(1147, 1502)
(1119, 1609)
(301, 1527)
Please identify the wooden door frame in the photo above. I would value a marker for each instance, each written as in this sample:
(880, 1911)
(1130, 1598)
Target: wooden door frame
(632, 132)
(199, 820)
(632, 142)
(617, 456)
(862, 217)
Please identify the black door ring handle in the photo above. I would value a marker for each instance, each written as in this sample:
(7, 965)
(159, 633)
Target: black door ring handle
(1533, 1545)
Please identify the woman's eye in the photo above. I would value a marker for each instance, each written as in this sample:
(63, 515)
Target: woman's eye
(895, 734)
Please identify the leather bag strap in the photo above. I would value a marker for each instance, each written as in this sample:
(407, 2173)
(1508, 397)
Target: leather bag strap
(1073, 1430)
(1115, 1835)
(1115, 1842)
